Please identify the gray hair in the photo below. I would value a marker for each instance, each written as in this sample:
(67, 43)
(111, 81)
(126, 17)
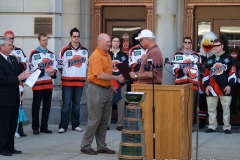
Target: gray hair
(3, 41)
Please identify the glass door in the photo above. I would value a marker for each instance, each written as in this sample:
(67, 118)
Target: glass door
(229, 32)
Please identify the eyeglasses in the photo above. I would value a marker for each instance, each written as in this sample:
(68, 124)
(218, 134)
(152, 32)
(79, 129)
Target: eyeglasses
(75, 36)
(188, 42)
(12, 38)
(217, 45)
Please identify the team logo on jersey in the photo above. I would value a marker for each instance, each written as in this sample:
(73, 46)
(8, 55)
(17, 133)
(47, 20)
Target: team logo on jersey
(137, 53)
(76, 61)
(84, 52)
(179, 58)
(69, 53)
(37, 56)
(46, 63)
(187, 63)
(115, 62)
(18, 52)
(218, 69)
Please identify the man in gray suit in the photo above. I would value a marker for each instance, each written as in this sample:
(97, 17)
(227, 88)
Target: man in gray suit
(10, 75)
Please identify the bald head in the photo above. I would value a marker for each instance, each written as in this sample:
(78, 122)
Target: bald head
(104, 41)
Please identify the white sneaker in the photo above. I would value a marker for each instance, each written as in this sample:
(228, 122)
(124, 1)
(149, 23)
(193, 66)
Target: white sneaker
(78, 129)
(61, 130)
(16, 135)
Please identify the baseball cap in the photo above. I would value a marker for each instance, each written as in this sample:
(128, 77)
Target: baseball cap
(145, 34)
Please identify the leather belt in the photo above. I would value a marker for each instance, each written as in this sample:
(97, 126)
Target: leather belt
(95, 84)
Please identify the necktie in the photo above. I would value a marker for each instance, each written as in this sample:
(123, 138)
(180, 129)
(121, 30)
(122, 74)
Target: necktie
(9, 61)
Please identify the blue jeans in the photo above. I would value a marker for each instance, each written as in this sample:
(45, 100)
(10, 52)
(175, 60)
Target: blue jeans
(71, 96)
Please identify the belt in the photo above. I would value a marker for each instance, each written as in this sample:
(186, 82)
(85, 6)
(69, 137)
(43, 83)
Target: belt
(95, 84)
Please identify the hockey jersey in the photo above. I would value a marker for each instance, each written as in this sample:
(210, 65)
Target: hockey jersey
(182, 60)
(220, 72)
(135, 55)
(72, 64)
(41, 60)
(21, 57)
(135, 59)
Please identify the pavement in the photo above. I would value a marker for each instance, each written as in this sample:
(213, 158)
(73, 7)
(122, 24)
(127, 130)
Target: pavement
(66, 146)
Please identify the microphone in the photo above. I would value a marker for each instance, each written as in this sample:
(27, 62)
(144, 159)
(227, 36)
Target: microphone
(166, 61)
(150, 61)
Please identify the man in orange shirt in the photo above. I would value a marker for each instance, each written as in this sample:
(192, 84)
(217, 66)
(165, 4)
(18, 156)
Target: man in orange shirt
(99, 97)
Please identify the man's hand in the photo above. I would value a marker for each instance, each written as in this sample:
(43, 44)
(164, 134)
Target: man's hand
(120, 79)
(207, 90)
(23, 75)
(186, 70)
(132, 75)
(227, 90)
(51, 73)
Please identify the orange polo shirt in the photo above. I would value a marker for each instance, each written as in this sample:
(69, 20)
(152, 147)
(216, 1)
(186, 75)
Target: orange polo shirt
(99, 62)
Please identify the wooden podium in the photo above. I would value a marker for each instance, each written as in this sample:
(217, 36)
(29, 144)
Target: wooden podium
(173, 120)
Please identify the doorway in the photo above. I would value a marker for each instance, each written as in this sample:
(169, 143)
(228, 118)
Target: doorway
(225, 23)
(116, 21)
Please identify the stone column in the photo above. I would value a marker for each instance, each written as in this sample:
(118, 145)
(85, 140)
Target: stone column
(166, 32)
(70, 19)
(85, 23)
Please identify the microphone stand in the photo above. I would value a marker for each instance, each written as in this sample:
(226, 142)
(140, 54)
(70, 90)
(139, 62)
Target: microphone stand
(150, 63)
(197, 116)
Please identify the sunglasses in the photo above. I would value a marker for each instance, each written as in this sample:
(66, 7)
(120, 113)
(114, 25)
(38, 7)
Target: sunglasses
(217, 45)
(188, 42)
(12, 38)
(76, 36)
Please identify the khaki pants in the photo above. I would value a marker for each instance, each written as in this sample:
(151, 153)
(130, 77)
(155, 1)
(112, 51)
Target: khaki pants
(212, 102)
(120, 108)
(99, 102)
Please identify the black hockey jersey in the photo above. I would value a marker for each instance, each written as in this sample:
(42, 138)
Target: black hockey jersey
(220, 72)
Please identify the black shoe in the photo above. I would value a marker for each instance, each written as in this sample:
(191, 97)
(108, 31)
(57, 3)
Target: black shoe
(6, 153)
(209, 130)
(16, 152)
(108, 128)
(227, 131)
(202, 125)
(89, 151)
(22, 134)
(45, 131)
(119, 128)
(36, 132)
(107, 151)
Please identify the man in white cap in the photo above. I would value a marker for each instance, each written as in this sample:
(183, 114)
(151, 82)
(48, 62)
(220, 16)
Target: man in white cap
(153, 56)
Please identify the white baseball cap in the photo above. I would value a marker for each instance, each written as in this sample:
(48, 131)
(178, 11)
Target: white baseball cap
(145, 34)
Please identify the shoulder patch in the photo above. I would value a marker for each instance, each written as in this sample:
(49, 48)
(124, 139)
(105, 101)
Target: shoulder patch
(137, 53)
(37, 56)
(210, 61)
(179, 57)
(69, 53)
(84, 52)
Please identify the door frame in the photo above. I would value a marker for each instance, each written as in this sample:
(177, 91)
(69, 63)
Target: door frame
(189, 11)
(97, 14)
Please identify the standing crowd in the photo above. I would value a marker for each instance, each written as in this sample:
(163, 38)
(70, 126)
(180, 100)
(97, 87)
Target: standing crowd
(106, 85)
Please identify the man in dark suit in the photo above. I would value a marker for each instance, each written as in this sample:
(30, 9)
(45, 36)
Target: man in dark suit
(10, 75)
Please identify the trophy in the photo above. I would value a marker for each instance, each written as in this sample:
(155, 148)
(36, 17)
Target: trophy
(132, 145)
